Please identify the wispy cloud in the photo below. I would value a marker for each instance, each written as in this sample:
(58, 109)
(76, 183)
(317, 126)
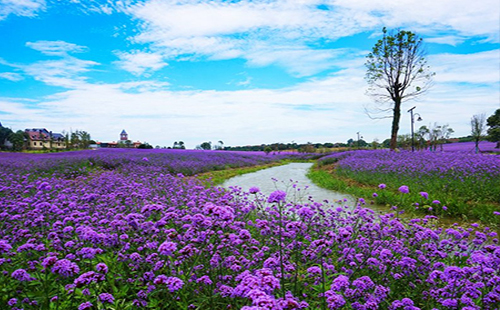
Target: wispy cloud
(56, 48)
(64, 71)
(281, 32)
(467, 68)
(27, 8)
(139, 63)
(12, 76)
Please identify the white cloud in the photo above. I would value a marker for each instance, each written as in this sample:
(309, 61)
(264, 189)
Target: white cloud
(27, 8)
(138, 63)
(268, 32)
(467, 18)
(467, 68)
(12, 76)
(66, 72)
(56, 48)
(449, 40)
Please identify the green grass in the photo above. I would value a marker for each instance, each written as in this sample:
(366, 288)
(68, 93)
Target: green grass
(459, 204)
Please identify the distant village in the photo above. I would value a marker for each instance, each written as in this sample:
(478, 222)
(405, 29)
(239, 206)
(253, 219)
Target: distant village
(43, 139)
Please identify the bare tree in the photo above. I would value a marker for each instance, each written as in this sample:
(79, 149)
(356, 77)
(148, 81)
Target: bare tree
(478, 127)
(397, 71)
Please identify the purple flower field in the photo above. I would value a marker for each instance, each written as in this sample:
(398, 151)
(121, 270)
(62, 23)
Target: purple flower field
(135, 235)
(187, 162)
(465, 182)
(484, 146)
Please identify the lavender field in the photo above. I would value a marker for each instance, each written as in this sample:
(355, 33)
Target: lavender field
(127, 230)
(484, 146)
(458, 184)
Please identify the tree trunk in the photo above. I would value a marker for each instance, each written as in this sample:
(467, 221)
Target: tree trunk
(395, 124)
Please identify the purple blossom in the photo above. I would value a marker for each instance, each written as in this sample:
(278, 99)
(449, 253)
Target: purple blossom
(277, 196)
(106, 298)
(404, 189)
(424, 194)
(167, 248)
(22, 275)
(65, 268)
(173, 283)
(254, 190)
(102, 268)
(85, 305)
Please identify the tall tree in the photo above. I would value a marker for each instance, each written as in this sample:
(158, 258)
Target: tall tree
(18, 139)
(478, 126)
(4, 135)
(494, 131)
(397, 71)
(206, 145)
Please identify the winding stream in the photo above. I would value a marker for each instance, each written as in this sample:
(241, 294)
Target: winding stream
(284, 177)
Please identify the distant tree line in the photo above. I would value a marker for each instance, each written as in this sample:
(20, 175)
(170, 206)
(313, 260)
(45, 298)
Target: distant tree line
(19, 140)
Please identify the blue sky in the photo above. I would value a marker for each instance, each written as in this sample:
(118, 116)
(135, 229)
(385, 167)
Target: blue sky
(244, 72)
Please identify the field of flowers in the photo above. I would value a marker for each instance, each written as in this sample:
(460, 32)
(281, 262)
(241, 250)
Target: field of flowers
(484, 146)
(440, 183)
(187, 162)
(136, 235)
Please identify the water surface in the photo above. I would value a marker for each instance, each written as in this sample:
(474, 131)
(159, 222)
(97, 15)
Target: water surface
(286, 176)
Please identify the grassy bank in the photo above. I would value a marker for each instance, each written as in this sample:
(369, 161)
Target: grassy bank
(419, 201)
(218, 177)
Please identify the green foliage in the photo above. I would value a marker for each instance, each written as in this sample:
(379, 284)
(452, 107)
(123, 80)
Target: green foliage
(206, 146)
(478, 124)
(17, 138)
(4, 135)
(493, 123)
(463, 198)
(394, 67)
(145, 146)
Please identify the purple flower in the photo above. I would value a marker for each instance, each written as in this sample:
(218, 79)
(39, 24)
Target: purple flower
(374, 195)
(85, 305)
(254, 190)
(382, 186)
(65, 268)
(404, 189)
(101, 267)
(314, 270)
(167, 248)
(106, 297)
(173, 283)
(436, 202)
(4, 246)
(21, 275)
(425, 195)
(277, 196)
(12, 301)
(445, 208)
(87, 278)
(340, 283)
(496, 213)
